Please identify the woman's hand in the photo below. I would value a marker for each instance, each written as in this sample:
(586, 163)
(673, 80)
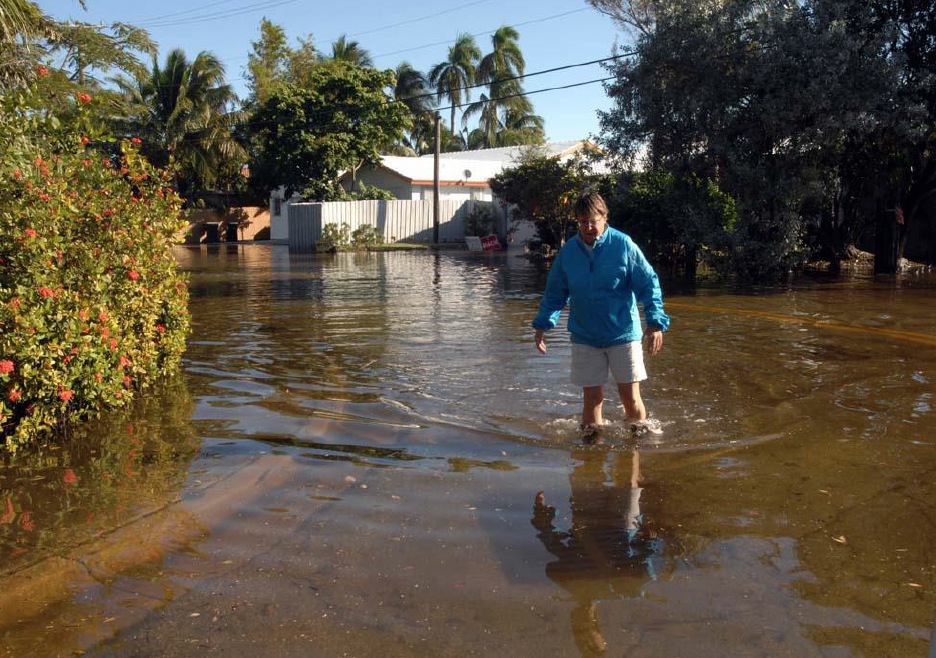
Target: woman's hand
(540, 340)
(654, 340)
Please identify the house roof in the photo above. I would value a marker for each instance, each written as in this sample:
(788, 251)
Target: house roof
(461, 171)
(469, 167)
(510, 155)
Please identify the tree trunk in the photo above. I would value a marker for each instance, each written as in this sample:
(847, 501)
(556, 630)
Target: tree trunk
(885, 240)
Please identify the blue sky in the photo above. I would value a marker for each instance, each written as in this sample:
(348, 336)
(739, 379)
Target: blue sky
(553, 33)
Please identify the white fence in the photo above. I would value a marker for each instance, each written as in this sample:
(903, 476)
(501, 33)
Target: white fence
(398, 221)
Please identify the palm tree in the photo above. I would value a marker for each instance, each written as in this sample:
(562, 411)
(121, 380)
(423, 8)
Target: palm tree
(521, 126)
(182, 111)
(502, 70)
(505, 59)
(412, 89)
(452, 77)
(351, 52)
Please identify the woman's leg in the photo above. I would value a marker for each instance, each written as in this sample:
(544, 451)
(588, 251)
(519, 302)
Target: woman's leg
(633, 403)
(592, 399)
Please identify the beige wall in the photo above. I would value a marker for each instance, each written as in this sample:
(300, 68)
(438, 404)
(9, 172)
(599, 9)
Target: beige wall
(253, 224)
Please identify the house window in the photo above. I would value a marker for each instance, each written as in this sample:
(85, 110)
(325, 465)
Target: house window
(277, 206)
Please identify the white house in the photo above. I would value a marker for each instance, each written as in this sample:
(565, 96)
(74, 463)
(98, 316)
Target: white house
(412, 179)
(463, 176)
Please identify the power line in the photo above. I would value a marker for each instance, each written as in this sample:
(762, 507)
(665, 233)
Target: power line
(529, 93)
(564, 67)
(533, 21)
(480, 34)
(205, 18)
(180, 13)
(420, 19)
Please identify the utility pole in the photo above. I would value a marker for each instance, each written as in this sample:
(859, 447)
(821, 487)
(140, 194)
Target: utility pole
(435, 180)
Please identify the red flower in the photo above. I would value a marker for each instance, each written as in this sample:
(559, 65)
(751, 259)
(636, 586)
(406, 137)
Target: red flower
(136, 140)
(133, 275)
(30, 232)
(161, 328)
(69, 477)
(26, 522)
(46, 293)
(112, 344)
(84, 99)
(6, 367)
(102, 316)
(124, 362)
(65, 395)
(85, 141)
(17, 173)
(42, 71)
(127, 381)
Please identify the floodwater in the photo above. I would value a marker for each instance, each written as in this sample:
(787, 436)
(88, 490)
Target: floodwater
(351, 465)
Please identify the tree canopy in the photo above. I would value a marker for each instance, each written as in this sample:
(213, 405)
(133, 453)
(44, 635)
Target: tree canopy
(306, 137)
(813, 115)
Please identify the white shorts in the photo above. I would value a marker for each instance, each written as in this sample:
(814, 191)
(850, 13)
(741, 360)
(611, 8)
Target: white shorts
(592, 365)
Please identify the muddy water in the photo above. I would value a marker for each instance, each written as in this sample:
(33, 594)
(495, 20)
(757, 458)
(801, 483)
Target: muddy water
(350, 467)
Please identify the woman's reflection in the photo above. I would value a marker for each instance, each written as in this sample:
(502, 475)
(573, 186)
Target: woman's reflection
(608, 551)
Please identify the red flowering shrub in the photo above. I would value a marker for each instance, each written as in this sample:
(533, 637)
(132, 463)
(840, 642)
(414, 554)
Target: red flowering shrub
(92, 306)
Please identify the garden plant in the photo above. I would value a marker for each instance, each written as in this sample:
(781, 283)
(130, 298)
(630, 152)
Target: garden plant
(93, 309)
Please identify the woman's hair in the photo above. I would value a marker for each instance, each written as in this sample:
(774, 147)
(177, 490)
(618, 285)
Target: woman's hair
(590, 203)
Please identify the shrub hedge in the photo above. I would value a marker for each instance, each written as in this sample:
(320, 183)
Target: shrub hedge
(92, 306)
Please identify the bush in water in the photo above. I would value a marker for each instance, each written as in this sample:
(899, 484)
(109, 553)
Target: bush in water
(92, 305)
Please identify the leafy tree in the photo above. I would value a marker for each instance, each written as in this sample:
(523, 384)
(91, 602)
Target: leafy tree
(905, 136)
(543, 190)
(453, 77)
(21, 23)
(306, 137)
(775, 101)
(81, 51)
(18, 17)
(679, 222)
(183, 113)
(268, 63)
(303, 60)
(85, 49)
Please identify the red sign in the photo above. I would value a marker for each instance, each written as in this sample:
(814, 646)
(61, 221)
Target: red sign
(490, 243)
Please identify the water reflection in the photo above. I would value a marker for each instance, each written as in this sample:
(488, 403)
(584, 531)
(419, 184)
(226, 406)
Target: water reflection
(612, 547)
(103, 474)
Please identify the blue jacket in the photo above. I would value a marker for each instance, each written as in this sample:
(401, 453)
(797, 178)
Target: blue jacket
(602, 289)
